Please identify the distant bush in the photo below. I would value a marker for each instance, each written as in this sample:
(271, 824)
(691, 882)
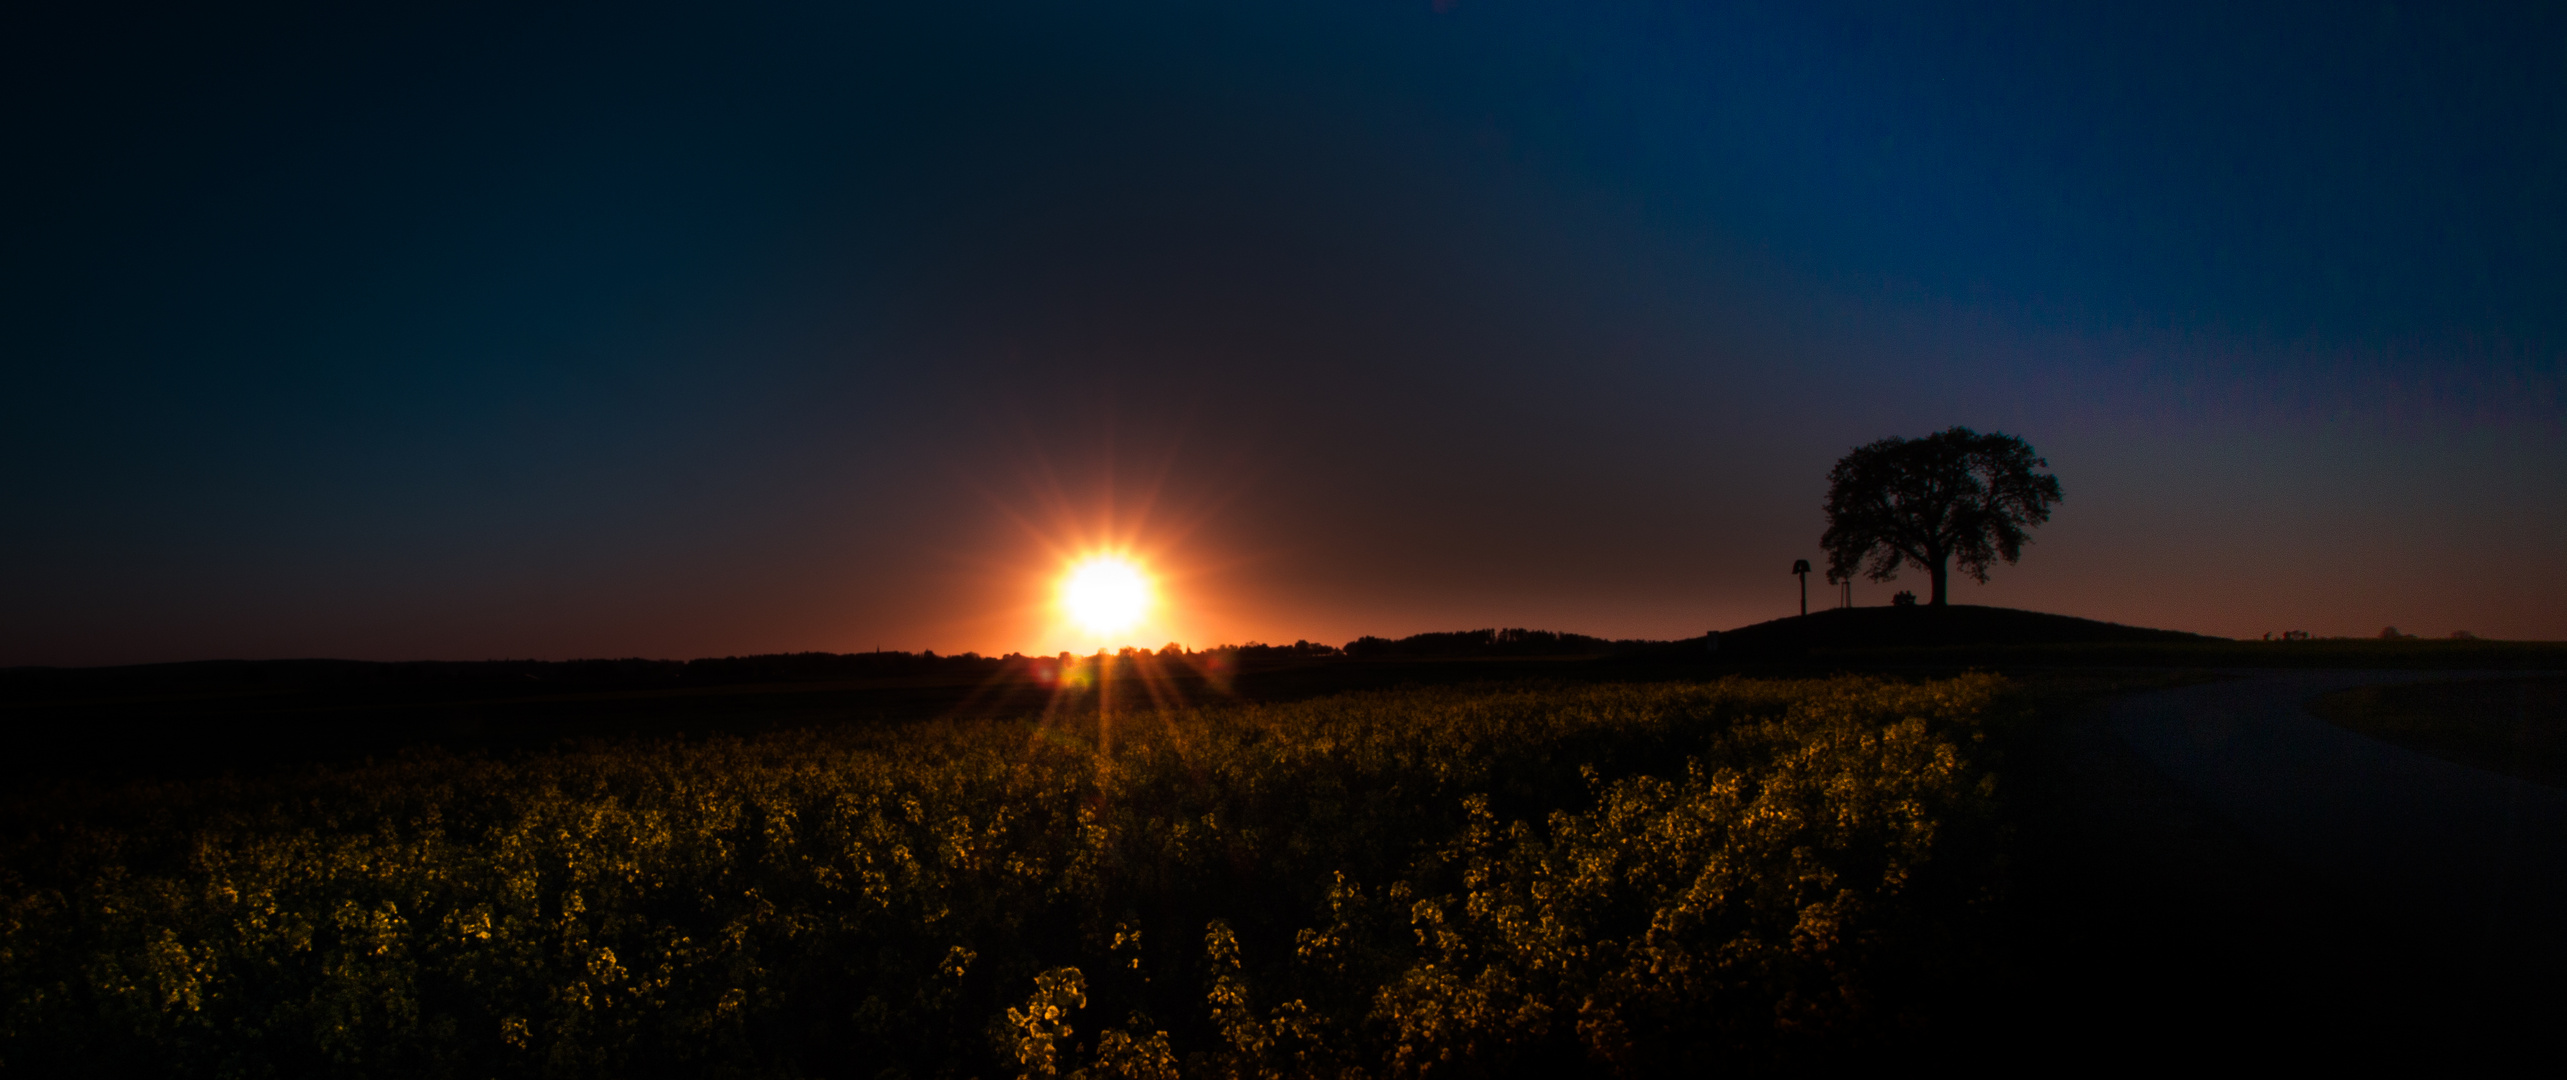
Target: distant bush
(1506, 881)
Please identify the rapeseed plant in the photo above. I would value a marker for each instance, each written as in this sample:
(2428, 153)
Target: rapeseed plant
(1473, 881)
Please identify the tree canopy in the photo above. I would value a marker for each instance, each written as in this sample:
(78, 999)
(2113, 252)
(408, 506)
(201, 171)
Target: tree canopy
(1953, 496)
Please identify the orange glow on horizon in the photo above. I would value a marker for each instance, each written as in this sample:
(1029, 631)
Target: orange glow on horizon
(1102, 566)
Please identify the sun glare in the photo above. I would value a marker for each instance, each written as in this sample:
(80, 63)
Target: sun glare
(1105, 594)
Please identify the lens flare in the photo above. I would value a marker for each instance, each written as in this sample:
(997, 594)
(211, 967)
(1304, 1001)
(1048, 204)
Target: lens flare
(1106, 594)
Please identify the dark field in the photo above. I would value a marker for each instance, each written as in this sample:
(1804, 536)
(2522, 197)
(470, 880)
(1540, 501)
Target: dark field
(2517, 727)
(198, 718)
(1460, 856)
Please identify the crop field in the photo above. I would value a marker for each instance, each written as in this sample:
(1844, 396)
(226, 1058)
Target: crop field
(1499, 880)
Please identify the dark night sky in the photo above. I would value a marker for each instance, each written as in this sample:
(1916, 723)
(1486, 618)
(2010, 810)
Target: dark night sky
(524, 331)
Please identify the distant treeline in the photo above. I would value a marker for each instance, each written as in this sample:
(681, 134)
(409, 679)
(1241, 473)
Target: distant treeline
(1509, 642)
(524, 675)
(30, 683)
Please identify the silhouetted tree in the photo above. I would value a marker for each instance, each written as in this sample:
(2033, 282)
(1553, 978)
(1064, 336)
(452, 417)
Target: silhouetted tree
(1953, 496)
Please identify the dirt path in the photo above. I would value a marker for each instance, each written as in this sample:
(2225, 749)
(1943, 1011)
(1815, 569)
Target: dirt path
(2477, 861)
(2210, 873)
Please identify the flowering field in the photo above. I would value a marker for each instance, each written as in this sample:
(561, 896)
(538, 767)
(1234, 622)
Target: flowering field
(1507, 881)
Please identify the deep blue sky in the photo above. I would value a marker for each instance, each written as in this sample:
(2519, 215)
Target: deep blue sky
(511, 331)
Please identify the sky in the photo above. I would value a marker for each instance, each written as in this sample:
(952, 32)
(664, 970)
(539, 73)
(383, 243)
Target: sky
(469, 331)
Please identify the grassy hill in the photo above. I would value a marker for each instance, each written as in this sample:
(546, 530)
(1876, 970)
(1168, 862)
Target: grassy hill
(2005, 639)
(1932, 627)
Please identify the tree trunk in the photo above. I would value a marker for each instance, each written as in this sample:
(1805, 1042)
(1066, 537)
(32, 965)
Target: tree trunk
(1941, 573)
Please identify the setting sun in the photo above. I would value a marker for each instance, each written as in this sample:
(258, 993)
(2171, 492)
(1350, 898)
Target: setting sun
(1106, 594)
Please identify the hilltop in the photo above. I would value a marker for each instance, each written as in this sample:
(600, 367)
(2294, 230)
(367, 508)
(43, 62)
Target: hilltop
(1926, 627)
